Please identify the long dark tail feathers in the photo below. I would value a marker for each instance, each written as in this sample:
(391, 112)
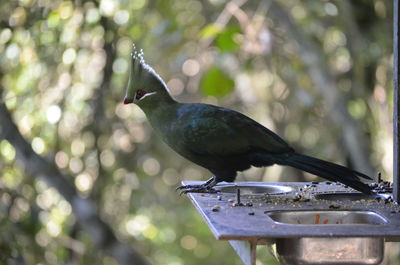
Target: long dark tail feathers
(328, 170)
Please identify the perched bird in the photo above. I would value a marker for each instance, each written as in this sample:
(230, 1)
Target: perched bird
(219, 139)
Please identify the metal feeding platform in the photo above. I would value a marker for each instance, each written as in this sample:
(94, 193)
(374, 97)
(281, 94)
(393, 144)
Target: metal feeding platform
(310, 223)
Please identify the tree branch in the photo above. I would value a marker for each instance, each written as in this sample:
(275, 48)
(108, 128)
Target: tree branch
(355, 142)
(85, 210)
(356, 44)
(99, 123)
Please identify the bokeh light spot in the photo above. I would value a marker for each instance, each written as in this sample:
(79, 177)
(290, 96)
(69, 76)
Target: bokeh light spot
(7, 150)
(84, 182)
(61, 159)
(53, 114)
(191, 67)
(107, 158)
(331, 9)
(77, 147)
(170, 177)
(92, 15)
(136, 225)
(176, 86)
(5, 35)
(120, 66)
(75, 165)
(108, 7)
(188, 242)
(38, 145)
(121, 17)
(69, 56)
(12, 51)
(53, 228)
(66, 9)
(138, 4)
(151, 166)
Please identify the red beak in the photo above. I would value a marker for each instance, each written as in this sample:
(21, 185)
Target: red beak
(128, 101)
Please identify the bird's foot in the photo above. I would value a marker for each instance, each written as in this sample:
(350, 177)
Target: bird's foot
(196, 189)
(206, 187)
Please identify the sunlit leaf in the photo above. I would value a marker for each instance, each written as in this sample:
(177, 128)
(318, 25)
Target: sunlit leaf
(226, 41)
(53, 19)
(357, 108)
(210, 31)
(216, 83)
(7, 150)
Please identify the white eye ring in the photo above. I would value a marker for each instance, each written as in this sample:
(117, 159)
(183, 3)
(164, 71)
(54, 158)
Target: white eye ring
(141, 95)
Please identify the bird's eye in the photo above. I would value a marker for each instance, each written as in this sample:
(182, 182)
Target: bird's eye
(140, 93)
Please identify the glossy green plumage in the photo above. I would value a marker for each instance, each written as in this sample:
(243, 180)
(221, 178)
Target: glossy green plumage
(222, 140)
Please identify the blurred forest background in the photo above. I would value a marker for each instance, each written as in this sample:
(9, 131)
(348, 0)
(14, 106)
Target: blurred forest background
(83, 178)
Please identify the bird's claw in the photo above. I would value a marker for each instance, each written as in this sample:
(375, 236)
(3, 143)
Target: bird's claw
(183, 187)
(196, 189)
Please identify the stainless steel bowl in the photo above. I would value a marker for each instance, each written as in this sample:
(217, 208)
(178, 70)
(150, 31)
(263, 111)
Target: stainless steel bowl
(254, 189)
(330, 250)
(345, 196)
(327, 217)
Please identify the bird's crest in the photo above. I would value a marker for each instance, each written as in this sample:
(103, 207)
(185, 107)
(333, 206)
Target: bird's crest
(140, 69)
(138, 61)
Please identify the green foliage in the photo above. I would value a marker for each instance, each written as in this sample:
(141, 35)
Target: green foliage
(357, 108)
(210, 31)
(216, 83)
(225, 38)
(226, 41)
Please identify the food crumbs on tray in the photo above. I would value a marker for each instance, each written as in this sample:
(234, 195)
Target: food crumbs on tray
(317, 219)
(216, 208)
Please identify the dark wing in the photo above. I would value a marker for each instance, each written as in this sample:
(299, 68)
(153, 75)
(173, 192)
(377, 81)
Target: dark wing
(218, 131)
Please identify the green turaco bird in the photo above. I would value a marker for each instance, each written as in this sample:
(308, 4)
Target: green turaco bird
(219, 139)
